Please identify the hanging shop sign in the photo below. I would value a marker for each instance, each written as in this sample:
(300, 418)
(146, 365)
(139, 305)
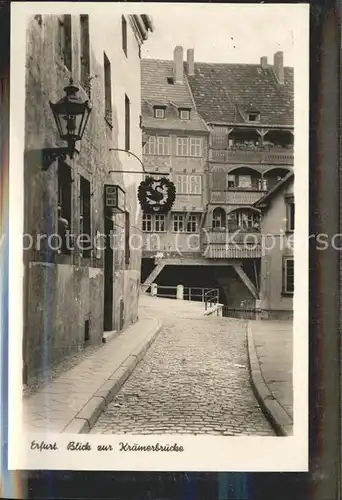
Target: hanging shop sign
(114, 198)
(156, 195)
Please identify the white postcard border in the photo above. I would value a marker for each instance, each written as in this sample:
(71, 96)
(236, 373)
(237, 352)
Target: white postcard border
(209, 453)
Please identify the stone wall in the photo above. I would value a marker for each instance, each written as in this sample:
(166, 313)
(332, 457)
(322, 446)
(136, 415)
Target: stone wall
(65, 294)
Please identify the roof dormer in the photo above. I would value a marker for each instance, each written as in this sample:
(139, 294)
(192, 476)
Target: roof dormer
(184, 113)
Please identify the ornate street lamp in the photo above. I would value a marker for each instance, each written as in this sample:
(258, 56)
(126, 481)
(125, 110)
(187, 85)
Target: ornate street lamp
(71, 115)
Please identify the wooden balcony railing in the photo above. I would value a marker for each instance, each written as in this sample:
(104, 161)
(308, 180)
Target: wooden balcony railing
(231, 245)
(281, 156)
(236, 197)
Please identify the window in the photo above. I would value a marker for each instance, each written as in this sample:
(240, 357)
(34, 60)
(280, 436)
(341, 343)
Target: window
(288, 281)
(127, 238)
(192, 224)
(64, 206)
(290, 216)
(195, 147)
(178, 223)
(170, 80)
(127, 123)
(247, 220)
(219, 141)
(219, 218)
(147, 222)
(85, 218)
(108, 91)
(64, 40)
(189, 146)
(253, 117)
(159, 223)
(159, 111)
(184, 114)
(153, 223)
(182, 146)
(157, 145)
(124, 34)
(188, 184)
(85, 53)
(231, 181)
(245, 181)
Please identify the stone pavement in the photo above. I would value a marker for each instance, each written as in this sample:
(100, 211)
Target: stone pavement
(270, 345)
(73, 401)
(193, 379)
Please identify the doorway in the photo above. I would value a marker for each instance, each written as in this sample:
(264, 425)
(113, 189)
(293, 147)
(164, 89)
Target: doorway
(108, 276)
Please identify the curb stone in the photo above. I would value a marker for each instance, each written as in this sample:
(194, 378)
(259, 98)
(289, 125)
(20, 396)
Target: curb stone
(86, 418)
(273, 411)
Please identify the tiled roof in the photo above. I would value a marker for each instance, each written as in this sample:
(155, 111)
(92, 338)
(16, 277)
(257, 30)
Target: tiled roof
(222, 91)
(157, 91)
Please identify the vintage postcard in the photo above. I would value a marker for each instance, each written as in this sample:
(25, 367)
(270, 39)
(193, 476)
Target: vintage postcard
(158, 203)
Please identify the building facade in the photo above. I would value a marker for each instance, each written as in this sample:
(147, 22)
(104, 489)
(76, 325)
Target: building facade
(277, 261)
(176, 145)
(74, 292)
(248, 112)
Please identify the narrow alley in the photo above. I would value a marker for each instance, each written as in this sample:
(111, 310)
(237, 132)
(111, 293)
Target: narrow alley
(193, 379)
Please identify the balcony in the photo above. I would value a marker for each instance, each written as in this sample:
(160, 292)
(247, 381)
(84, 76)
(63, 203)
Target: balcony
(275, 156)
(236, 196)
(230, 245)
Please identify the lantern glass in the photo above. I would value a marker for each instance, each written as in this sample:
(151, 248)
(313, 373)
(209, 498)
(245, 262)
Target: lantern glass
(71, 114)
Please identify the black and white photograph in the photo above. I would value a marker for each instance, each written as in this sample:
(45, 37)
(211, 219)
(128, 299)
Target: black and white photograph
(160, 171)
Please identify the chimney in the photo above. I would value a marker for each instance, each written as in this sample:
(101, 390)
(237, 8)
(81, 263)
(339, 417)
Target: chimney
(263, 62)
(178, 64)
(279, 67)
(191, 61)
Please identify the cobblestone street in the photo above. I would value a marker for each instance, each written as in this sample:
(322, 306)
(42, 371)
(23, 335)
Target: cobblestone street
(193, 379)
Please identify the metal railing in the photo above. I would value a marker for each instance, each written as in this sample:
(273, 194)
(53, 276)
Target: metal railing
(211, 297)
(166, 292)
(248, 313)
(196, 294)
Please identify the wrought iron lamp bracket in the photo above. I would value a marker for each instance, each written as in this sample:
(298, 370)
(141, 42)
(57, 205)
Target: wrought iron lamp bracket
(50, 155)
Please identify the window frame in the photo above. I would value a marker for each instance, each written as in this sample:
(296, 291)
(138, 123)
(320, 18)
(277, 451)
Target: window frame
(65, 40)
(159, 108)
(154, 148)
(290, 216)
(251, 218)
(85, 54)
(107, 70)
(160, 218)
(186, 180)
(64, 202)
(178, 223)
(256, 114)
(184, 110)
(147, 221)
(85, 214)
(184, 146)
(193, 219)
(285, 290)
